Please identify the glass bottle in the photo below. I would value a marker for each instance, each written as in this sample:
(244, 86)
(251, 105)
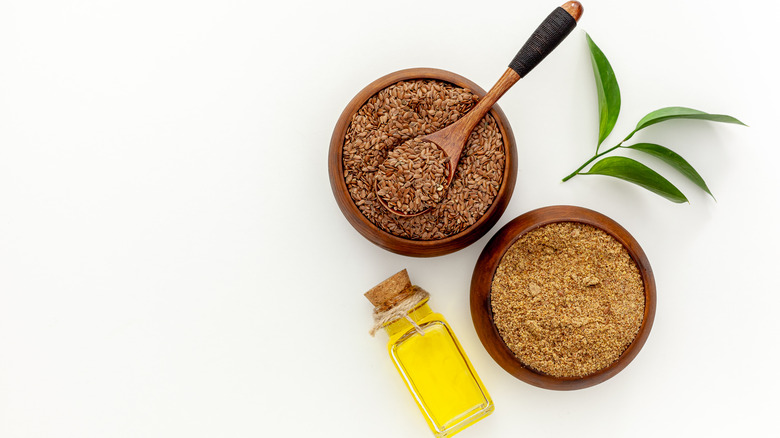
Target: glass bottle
(429, 357)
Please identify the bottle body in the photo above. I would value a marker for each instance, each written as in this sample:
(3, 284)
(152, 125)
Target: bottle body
(437, 372)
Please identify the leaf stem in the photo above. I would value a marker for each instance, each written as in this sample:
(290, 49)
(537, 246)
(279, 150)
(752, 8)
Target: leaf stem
(571, 175)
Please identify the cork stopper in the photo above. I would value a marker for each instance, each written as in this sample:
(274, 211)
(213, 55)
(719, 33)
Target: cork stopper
(389, 289)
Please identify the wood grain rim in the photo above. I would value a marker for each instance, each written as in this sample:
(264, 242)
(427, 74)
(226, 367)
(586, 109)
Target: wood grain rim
(399, 245)
(481, 281)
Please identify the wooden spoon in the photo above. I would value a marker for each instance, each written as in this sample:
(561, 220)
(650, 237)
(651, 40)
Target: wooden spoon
(452, 139)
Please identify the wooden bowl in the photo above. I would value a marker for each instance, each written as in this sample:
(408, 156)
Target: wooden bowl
(482, 279)
(399, 245)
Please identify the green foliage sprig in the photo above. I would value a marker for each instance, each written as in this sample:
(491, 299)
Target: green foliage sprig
(629, 169)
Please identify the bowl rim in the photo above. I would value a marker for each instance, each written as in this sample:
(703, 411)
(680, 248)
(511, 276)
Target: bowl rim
(481, 281)
(400, 245)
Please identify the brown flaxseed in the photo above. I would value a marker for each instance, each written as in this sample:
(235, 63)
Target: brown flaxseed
(567, 299)
(413, 177)
(406, 111)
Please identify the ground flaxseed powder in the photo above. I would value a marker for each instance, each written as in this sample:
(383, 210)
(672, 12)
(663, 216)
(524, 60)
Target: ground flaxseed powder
(567, 299)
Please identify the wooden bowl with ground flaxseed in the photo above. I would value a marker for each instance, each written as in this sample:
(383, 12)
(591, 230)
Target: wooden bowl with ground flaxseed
(405, 105)
(563, 297)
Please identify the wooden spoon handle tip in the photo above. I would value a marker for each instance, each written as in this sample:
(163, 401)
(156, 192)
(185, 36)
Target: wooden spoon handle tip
(574, 9)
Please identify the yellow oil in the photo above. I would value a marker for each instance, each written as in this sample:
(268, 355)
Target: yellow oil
(437, 372)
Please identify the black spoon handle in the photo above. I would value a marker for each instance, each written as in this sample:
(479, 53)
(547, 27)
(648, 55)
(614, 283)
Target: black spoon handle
(546, 38)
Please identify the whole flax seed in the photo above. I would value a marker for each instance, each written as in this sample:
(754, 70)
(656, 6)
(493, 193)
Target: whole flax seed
(413, 177)
(408, 110)
(567, 299)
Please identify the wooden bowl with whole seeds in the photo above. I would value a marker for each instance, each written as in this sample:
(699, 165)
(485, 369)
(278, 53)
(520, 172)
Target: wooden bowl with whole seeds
(563, 297)
(403, 106)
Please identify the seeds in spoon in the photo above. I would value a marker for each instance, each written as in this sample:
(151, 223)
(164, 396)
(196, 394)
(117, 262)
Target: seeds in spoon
(413, 177)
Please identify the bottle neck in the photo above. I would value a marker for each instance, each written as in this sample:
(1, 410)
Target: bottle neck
(403, 325)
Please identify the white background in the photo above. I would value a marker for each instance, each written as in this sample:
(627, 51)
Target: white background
(173, 263)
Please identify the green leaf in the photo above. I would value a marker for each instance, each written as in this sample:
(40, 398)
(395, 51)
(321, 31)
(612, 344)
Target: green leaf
(678, 112)
(639, 174)
(673, 159)
(608, 91)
